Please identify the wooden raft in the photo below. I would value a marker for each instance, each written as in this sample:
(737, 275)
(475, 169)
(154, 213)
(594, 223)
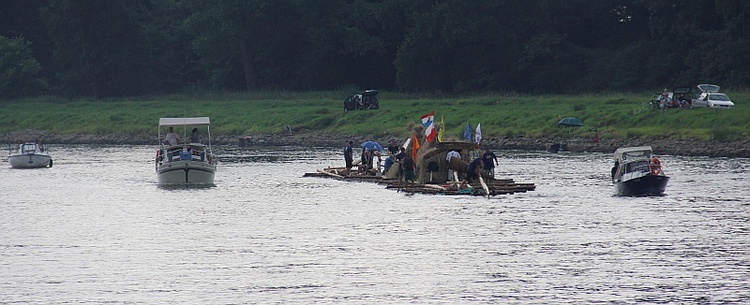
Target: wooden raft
(495, 186)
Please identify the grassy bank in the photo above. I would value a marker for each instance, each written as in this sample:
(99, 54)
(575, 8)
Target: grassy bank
(615, 115)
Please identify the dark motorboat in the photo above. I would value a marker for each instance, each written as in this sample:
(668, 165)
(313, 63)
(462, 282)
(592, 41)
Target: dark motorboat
(638, 173)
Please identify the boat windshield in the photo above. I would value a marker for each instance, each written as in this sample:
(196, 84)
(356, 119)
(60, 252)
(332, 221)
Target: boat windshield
(28, 147)
(637, 166)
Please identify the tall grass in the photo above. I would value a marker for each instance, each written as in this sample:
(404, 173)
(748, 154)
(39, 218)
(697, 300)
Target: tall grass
(616, 115)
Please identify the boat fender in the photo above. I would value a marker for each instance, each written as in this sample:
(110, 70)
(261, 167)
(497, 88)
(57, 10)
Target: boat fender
(655, 166)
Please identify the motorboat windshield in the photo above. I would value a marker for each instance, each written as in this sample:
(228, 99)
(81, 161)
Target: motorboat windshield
(28, 148)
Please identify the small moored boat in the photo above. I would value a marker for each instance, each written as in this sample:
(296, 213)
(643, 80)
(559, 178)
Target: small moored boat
(30, 155)
(638, 173)
(188, 163)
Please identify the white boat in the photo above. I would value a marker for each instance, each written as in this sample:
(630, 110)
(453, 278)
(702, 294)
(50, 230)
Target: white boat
(638, 173)
(185, 164)
(30, 155)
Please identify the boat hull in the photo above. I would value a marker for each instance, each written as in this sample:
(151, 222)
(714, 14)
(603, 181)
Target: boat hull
(643, 186)
(186, 173)
(29, 160)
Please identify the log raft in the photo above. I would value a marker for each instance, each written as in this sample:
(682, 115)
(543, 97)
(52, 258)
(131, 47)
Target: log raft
(494, 186)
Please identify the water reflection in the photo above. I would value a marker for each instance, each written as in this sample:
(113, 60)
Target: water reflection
(97, 229)
(269, 155)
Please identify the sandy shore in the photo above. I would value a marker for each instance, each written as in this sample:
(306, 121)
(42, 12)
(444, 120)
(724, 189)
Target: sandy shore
(666, 146)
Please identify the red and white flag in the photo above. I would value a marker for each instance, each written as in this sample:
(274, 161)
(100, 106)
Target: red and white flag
(428, 121)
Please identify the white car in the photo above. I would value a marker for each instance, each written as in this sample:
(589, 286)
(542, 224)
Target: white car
(711, 97)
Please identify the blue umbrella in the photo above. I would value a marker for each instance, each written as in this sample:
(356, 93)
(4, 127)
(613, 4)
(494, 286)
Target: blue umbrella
(372, 145)
(571, 121)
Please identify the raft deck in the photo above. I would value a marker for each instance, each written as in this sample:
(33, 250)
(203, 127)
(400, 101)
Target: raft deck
(495, 186)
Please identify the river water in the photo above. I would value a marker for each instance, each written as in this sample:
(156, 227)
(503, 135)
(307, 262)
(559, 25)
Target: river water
(96, 229)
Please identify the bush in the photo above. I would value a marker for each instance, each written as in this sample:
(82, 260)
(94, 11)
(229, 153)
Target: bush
(19, 69)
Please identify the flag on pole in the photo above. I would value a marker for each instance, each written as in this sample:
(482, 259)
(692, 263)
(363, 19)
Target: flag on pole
(414, 147)
(428, 121)
(467, 132)
(478, 134)
(442, 130)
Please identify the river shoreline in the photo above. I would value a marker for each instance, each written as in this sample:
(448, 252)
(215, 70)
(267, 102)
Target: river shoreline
(665, 146)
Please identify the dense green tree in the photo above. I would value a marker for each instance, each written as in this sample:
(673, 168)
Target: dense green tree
(721, 53)
(350, 43)
(231, 35)
(299, 45)
(129, 48)
(459, 46)
(19, 70)
(99, 48)
(21, 18)
(172, 64)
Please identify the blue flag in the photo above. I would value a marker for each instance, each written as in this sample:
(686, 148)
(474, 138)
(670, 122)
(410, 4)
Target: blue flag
(467, 132)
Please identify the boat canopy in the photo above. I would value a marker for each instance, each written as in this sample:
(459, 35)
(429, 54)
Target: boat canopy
(626, 153)
(184, 121)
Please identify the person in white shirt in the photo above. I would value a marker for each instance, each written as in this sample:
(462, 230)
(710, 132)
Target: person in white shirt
(452, 154)
(171, 138)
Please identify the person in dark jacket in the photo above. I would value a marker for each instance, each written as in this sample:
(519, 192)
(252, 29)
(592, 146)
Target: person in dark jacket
(474, 171)
(348, 155)
(489, 160)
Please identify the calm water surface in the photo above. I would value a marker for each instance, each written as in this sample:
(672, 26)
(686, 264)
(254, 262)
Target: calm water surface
(96, 229)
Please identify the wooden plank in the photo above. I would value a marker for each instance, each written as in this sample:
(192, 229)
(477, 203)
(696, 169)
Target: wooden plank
(330, 174)
(491, 188)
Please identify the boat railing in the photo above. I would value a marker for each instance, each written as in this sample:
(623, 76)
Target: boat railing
(189, 152)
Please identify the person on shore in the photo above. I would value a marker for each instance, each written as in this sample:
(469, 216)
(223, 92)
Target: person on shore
(364, 165)
(171, 138)
(388, 163)
(401, 155)
(370, 159)
(664, 100)
(408, 166)
(489, 160)
(348, 156)
(392, 148)
(614, 169)
(400, 159)
(380, 160)
(195, 137)
(452, 173)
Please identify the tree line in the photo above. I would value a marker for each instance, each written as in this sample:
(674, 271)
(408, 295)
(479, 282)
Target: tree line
(119, 48)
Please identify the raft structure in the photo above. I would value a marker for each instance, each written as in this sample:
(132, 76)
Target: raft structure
(432, 173)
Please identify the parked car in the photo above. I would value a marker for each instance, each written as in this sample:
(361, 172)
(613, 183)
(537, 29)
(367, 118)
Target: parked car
(362, 101)
(711, 97)
(679, 97)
